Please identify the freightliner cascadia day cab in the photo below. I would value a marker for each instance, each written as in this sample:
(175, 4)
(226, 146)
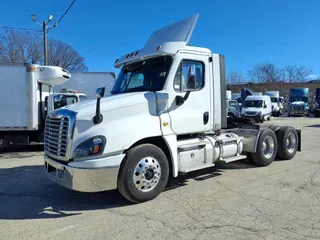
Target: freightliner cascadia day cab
(166, 116)
(25, 91)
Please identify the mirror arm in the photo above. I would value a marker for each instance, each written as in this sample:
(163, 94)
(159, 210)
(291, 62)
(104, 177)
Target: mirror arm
(98, 117)
(180, 100)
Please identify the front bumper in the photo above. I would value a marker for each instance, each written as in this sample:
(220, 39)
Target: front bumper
(86, 176)
(256, 118)
(297, 113)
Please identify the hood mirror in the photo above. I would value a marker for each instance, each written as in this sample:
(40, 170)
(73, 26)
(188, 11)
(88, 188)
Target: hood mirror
(98, 117)
(100, 92)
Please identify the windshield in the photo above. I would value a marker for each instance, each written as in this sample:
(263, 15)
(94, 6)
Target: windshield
(148, 75)
(274, 99)
(253, 103)
(299, 99)
(82, 98)
(233, 103)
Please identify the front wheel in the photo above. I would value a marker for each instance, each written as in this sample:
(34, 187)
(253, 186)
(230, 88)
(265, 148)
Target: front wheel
(266, 149)
(143, 173)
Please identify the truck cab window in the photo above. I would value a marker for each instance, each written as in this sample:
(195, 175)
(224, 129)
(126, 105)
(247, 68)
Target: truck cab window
(66, 100)
(82, 97)
(189, 76)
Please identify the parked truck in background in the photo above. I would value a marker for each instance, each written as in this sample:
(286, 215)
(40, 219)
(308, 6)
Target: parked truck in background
(88, 82)
(277, 106)
(64, 98)
(257, 107)
(24, 93)
(165, 116)
(298, 102)
(233, 107)
(315, 106)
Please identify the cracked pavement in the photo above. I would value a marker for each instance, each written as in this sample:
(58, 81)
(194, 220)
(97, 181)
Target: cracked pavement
(230, 201)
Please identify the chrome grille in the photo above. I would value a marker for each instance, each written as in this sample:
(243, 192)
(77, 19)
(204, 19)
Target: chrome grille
(56, 136)
(298, 108)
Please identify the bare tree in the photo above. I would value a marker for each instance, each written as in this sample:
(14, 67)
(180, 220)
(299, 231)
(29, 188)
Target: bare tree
(290, 73)
(297, 74)
(12, 46)
(34, 48)
(25, 46)
(63, 55)
(303, 73)
(266, 73)
(235, 77)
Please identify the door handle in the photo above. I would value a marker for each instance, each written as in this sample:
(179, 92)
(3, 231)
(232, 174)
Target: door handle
(205, 118)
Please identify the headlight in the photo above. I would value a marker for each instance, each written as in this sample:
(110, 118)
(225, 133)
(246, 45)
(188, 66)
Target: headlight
(92, 146)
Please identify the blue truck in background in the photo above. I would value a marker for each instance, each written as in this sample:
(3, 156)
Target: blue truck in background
(298, 102)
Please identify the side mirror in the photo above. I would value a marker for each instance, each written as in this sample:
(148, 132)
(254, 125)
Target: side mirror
(57, 98)
(98, 117)
(265, 106)
(100, 92)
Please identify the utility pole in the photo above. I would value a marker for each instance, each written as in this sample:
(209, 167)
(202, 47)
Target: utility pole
(45, 29)
(45, 50)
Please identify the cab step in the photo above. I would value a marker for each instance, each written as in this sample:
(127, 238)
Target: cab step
(195, 168)
(233, 159)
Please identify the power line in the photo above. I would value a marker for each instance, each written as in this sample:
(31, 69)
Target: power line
(28, 29)
(66, 11)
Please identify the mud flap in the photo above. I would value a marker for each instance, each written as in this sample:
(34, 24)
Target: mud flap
(299, 139)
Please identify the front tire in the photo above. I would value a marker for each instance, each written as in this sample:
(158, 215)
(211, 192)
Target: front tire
(266, 149)
(143, 174)
(288, 142)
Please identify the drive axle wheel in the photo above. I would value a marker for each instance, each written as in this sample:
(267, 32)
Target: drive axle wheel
(143, 173)
(288, 142)
(266, 148)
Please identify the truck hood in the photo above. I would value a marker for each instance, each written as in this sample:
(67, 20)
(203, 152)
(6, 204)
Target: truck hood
(107, 103)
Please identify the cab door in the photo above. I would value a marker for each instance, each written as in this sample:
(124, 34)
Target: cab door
(190, 100)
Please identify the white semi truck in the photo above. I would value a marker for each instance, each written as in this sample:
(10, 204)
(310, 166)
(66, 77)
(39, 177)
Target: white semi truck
(166, 116)
(276, 101)
(25, 99)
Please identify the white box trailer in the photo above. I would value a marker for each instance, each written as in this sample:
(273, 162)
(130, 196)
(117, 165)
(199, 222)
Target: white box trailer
(88, 82)
(23, 93)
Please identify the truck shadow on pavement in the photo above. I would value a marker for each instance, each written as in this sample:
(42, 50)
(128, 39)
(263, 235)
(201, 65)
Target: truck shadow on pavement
(26, 193)
(314, 126)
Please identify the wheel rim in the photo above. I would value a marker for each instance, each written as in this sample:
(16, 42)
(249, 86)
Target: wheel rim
(147, 174)
(268, 147)
(291, 143)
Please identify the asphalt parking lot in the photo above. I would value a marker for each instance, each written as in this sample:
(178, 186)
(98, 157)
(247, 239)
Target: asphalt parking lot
(231, 201)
